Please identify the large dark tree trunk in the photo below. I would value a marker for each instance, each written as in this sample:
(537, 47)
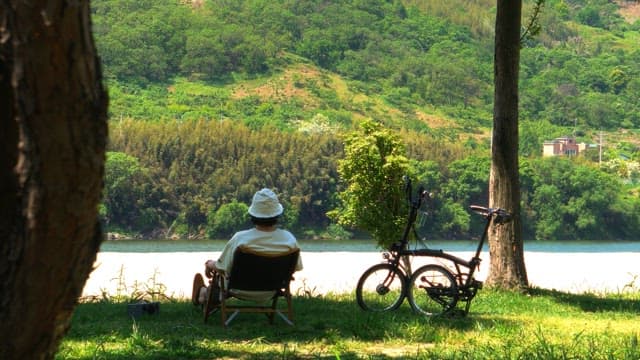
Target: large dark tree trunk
(507, 269)
(53, 131)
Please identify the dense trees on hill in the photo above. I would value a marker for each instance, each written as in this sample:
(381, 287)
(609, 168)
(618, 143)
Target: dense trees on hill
(184, 170)
(582, 69)
(210, 100)
(193, 178)
(566, 199)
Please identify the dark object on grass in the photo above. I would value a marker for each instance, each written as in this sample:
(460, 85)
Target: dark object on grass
(143, 307)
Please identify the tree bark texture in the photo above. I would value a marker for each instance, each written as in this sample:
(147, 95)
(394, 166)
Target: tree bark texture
(507, 268)
(53, 130)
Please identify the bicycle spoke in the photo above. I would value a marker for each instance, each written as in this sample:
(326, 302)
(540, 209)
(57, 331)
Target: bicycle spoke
(381, 288)
(432, 290)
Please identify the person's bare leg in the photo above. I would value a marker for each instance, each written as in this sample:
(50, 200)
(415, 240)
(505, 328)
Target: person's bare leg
(196, 293)
(202, 296)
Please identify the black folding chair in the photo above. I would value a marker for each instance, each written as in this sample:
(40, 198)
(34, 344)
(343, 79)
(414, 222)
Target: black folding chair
(252, 271)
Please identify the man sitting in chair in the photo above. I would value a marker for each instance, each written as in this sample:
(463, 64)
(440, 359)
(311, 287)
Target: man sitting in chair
(265, 238)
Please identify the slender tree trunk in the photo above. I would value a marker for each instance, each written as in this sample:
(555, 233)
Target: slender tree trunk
(507, 268)
(53, 133)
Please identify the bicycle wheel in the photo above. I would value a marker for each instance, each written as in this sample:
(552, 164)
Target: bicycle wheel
(432, 290)
(381, 288)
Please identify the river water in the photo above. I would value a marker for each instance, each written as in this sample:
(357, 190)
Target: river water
(162, 246)
(334, 267)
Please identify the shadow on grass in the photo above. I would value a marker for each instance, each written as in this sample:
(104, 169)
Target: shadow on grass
(592, 302)
(179, 331)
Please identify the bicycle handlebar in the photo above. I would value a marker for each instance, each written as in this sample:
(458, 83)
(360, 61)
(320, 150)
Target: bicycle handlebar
(499, 215)
(422, 193)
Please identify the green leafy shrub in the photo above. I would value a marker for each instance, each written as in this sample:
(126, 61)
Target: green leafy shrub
(226, 220)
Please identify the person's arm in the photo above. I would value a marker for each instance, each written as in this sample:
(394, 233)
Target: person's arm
(226, 256)
(210, 268)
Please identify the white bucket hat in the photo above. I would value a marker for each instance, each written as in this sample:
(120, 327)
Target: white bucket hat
(265, 205)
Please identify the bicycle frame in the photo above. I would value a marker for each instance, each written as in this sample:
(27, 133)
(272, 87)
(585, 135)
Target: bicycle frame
(472, 264)
(467, 285)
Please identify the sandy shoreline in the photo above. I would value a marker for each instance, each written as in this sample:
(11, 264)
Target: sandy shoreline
(338, 272)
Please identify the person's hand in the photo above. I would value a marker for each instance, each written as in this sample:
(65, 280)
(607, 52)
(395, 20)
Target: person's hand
(209, 268)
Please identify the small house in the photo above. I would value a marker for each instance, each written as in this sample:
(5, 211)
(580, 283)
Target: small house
(562, 146)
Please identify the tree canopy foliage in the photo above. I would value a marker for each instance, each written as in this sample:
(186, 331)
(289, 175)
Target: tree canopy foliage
(372, 170)
(582, 68)
(210, 100)
(189, 178)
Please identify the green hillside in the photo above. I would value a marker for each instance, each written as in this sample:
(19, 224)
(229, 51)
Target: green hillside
(434, 58)
(181, 74)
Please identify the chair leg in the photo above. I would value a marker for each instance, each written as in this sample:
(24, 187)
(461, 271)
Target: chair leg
(223, 312)
(289, 307)
(289, 317)
(285, 318)
(228, 321)
(209, 304)
(222, 294)
(213, 297)
(274, 309)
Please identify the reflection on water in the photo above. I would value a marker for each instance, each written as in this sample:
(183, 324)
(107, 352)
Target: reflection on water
(363, 246)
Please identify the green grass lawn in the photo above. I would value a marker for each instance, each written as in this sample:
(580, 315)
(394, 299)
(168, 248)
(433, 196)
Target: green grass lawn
(540, 325)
